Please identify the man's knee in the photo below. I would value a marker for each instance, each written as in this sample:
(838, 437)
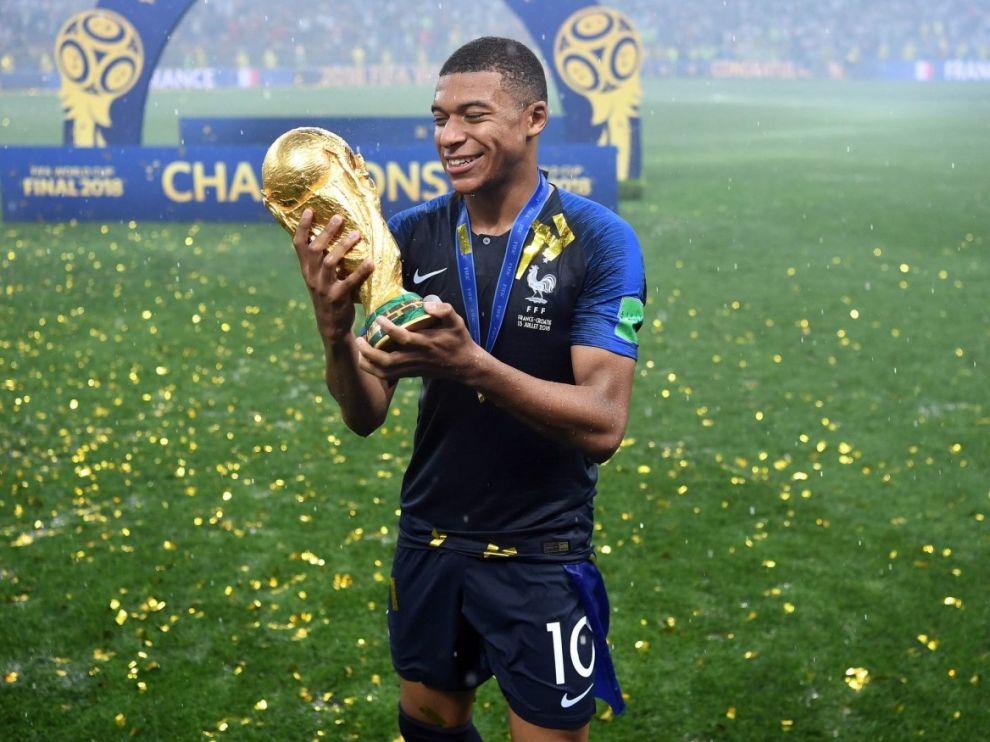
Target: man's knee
(414, 730)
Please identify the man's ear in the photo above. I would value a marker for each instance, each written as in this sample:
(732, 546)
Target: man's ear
(538, 115)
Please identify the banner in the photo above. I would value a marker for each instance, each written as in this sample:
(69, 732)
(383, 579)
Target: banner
(924, 70)
(106, 58)
(596, 55)
(223, 184)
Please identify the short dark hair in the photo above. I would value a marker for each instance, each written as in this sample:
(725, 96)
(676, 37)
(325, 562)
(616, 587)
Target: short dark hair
(521, 70)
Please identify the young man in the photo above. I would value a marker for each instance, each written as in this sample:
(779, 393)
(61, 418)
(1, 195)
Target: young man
(527, 376)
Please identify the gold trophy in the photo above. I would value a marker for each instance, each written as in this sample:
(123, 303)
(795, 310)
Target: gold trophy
(314, 168)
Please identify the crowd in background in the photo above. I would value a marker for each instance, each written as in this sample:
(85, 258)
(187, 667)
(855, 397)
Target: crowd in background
(814, 33)
(259, 34)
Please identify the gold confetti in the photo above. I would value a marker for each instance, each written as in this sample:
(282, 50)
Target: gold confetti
(132, 434)
(929, 642)
(857, 678)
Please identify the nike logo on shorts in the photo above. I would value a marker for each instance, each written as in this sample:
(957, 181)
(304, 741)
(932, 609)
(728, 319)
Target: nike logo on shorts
(418, 278)
(566, 703)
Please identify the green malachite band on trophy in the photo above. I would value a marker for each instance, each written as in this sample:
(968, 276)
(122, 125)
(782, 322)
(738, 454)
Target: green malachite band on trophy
(405, 310)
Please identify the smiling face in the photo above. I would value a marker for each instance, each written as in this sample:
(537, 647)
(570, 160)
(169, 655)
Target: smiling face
(485, 136)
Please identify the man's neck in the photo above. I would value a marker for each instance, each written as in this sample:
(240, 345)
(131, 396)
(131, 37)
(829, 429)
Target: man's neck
(494, 212)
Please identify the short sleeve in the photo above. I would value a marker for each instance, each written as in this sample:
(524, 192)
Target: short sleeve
(609, 311)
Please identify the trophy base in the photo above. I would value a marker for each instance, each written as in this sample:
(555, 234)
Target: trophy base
(406, 310)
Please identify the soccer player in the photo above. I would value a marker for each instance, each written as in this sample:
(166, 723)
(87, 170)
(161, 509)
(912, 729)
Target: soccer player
(537, 296)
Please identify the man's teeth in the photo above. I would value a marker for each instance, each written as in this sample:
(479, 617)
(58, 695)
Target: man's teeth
(458, 161)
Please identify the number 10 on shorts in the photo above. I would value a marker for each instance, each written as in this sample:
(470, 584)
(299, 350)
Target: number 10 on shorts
(576, 642)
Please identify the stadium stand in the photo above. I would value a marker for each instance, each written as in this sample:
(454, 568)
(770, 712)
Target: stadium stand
(679, 38)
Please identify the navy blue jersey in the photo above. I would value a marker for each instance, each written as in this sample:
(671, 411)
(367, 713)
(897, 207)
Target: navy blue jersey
(479, 480)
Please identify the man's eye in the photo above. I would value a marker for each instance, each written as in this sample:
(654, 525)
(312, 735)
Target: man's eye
(439, 122)
(473, 116)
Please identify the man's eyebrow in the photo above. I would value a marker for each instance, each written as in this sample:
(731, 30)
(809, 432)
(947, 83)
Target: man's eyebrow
(463, 106)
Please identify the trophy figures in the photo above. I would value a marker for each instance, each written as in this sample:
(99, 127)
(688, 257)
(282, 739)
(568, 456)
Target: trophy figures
(313, 168)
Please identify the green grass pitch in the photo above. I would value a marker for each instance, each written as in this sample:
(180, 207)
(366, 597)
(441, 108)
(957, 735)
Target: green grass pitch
(795, 532)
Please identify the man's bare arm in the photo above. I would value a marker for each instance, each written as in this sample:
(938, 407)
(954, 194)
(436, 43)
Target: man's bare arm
(363, 398)
(590, 414)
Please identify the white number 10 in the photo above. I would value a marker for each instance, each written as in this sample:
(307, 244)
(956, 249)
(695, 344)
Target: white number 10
(558, 651)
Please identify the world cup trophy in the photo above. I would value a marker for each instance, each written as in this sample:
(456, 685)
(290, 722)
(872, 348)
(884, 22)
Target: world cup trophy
(313, 168)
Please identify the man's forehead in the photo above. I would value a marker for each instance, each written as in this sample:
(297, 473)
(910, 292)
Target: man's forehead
(459, 88)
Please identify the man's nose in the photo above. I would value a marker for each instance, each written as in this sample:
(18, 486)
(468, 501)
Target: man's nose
(451, 133)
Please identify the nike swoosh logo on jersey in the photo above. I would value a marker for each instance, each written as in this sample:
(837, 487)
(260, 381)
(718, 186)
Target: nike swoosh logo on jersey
(566, 703)
(418, 278)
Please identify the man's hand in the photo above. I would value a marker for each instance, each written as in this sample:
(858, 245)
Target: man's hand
(321, 263)
(363, 399)
(444, 350)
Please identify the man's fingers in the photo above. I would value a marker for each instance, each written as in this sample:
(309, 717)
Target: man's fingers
(321, 264)
(443, 312)
(306, 243)
(436, 308)
(400, 336)
(321, 243)
(353, 280)
(330, 258)
(371, 359)
(344, 244)
(300, 238)
(418, 338)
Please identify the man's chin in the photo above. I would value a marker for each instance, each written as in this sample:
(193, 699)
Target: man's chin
(464, 187)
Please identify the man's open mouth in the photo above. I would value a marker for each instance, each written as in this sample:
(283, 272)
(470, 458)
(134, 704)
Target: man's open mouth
(458, 162)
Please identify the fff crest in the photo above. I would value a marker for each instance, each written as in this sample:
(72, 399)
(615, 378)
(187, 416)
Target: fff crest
(598, 54)
(100, 57)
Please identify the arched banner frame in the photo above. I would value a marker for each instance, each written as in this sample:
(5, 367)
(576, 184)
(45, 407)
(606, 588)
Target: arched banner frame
(593, 53)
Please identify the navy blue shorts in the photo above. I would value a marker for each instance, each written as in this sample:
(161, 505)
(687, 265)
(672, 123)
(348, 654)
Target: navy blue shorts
(455, 621)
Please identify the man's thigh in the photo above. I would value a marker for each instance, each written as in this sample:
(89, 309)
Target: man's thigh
(431, 641)
(537, 640)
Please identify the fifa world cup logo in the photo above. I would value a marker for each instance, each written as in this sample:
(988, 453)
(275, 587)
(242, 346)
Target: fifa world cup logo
(99, 56)
(598, 54)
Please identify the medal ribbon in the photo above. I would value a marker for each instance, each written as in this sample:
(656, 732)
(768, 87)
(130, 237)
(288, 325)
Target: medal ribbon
(465, 264)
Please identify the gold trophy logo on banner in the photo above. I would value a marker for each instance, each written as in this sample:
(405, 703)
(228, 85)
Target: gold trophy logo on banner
(314, 168)
(598, 53)
(100, 57)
